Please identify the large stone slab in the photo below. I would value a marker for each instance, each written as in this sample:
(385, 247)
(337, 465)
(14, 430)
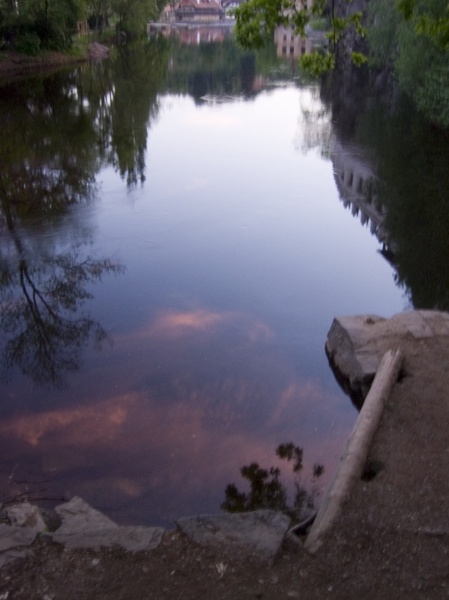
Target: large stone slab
(261, 530)
(84, 527)
(77, 516)
(13, 542)
(355, 345)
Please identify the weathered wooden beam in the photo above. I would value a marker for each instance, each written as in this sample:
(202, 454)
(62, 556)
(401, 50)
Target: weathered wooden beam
(354, 459)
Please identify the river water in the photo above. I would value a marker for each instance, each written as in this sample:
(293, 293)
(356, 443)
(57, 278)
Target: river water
(179, 227)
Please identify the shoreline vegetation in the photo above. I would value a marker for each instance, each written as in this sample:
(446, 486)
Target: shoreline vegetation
(14, 63)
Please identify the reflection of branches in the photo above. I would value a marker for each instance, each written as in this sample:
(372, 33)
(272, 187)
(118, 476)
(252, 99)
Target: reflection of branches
(42, 337)
(314, 130)
(268, 492)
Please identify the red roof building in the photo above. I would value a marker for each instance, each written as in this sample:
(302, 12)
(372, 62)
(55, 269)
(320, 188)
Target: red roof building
(199, 10)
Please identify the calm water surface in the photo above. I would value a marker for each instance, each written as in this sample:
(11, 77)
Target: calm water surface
(168, 286)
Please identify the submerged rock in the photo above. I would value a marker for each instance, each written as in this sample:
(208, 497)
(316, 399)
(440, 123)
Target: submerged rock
(98, 51)
(261, 530)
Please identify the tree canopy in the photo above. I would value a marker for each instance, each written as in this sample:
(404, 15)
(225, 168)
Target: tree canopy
(411, 38)
(257, 19)
(428, 17)
(31, 25)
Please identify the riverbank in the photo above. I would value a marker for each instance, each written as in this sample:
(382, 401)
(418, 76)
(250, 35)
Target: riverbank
(14, 64)
(391, 539)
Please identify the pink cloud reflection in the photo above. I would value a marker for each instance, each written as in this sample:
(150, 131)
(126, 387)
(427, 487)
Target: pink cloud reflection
(173, 323)
(129, 446)
(172, 445)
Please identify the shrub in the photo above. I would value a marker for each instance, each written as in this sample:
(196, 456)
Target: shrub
(28, 43)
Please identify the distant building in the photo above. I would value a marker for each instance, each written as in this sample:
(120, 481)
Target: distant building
(199, 10)
(289, 44)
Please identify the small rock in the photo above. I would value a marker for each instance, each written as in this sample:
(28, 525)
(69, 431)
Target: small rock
(84, 527)
(26, 515)
(98, 51)
(77, 516)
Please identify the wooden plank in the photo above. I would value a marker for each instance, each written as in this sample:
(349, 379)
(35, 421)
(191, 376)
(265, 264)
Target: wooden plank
(354, 459)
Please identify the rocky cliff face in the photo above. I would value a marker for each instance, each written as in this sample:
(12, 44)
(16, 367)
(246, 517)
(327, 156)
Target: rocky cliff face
(350, 85)
(351, 41)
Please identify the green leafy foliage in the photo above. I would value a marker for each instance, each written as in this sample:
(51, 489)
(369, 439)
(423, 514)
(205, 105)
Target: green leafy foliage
(428, 17)
(54, 22)
(317, 63)
(432, 97)
(133, 15)
(28, 43)
(256, 21)
(383, 23)
(411, 37)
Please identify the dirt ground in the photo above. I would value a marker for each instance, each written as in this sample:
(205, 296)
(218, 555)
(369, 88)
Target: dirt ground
(392, 540)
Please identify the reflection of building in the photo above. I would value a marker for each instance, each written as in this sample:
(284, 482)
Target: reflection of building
(202, 35)
(199, 10)
(356, 183)
(289, 44)
(194, 33)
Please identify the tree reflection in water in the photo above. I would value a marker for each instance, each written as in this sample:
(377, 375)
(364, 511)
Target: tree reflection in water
(42, 333)
(267, 491)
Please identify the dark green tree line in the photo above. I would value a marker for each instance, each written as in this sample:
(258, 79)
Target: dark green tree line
(411, 38)
(33, 25)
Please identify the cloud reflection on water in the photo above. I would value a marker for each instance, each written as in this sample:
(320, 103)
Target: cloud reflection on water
(184, 426)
